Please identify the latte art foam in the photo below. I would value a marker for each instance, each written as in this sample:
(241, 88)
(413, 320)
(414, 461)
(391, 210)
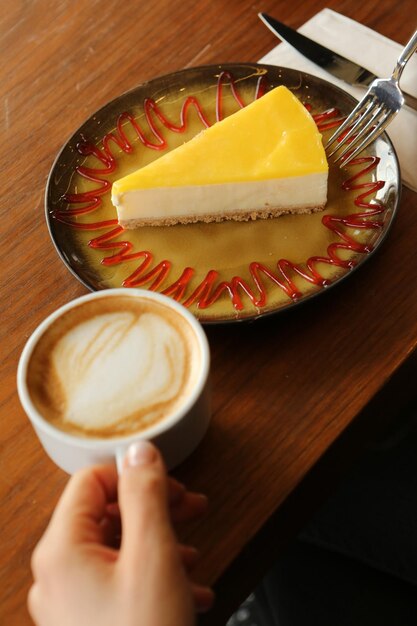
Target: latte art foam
(113, 372)
(117, 364)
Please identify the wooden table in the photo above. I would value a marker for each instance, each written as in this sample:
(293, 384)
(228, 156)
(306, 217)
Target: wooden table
(296, 396)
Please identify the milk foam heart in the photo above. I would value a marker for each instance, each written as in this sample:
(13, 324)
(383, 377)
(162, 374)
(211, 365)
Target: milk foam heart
(118, 365)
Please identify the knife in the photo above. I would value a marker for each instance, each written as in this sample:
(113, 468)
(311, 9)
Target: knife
(330, 61)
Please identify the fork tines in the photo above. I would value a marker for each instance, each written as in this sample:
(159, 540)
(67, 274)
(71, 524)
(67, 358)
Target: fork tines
(376, 110)
(367, 120)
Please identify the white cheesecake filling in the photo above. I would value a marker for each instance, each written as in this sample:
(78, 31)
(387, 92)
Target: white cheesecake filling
(172, 202)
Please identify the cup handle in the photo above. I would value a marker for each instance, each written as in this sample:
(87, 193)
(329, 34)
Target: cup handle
(120, 455)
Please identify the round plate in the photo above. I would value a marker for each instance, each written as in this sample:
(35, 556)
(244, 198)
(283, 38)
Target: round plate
(222, 271)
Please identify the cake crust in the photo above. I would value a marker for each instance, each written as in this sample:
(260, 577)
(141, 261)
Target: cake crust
(237, 216)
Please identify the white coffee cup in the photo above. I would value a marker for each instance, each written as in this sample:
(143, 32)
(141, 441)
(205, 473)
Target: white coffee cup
(176, 435)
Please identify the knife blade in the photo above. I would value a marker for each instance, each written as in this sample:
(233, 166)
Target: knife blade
(330, 61)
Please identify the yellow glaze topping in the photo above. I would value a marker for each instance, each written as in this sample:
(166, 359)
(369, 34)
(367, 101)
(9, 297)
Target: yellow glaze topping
(273, 137)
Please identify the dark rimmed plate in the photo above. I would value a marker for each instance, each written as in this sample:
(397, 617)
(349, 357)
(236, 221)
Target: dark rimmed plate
(222, 272)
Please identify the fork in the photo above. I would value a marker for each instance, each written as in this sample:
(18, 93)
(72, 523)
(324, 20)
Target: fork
(373, 113)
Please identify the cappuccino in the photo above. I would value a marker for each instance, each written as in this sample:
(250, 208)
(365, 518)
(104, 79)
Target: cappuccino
(113, 366)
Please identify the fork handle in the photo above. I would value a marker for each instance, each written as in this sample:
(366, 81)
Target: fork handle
(404, 57)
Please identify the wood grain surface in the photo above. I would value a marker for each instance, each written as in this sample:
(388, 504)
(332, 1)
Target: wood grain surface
(294, 396)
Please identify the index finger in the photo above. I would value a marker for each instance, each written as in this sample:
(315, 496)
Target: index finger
(83, 503)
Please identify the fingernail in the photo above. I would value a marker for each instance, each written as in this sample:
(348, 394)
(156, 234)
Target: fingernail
(140, 453)
(203, 498)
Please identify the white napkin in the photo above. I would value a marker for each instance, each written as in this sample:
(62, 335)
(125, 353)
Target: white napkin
(375, 52)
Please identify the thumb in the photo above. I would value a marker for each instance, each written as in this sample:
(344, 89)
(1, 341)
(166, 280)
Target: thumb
(143, 502)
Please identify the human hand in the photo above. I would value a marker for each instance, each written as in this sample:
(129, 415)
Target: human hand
(82, 576)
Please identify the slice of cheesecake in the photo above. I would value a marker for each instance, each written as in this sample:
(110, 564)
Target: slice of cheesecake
(265, 160)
